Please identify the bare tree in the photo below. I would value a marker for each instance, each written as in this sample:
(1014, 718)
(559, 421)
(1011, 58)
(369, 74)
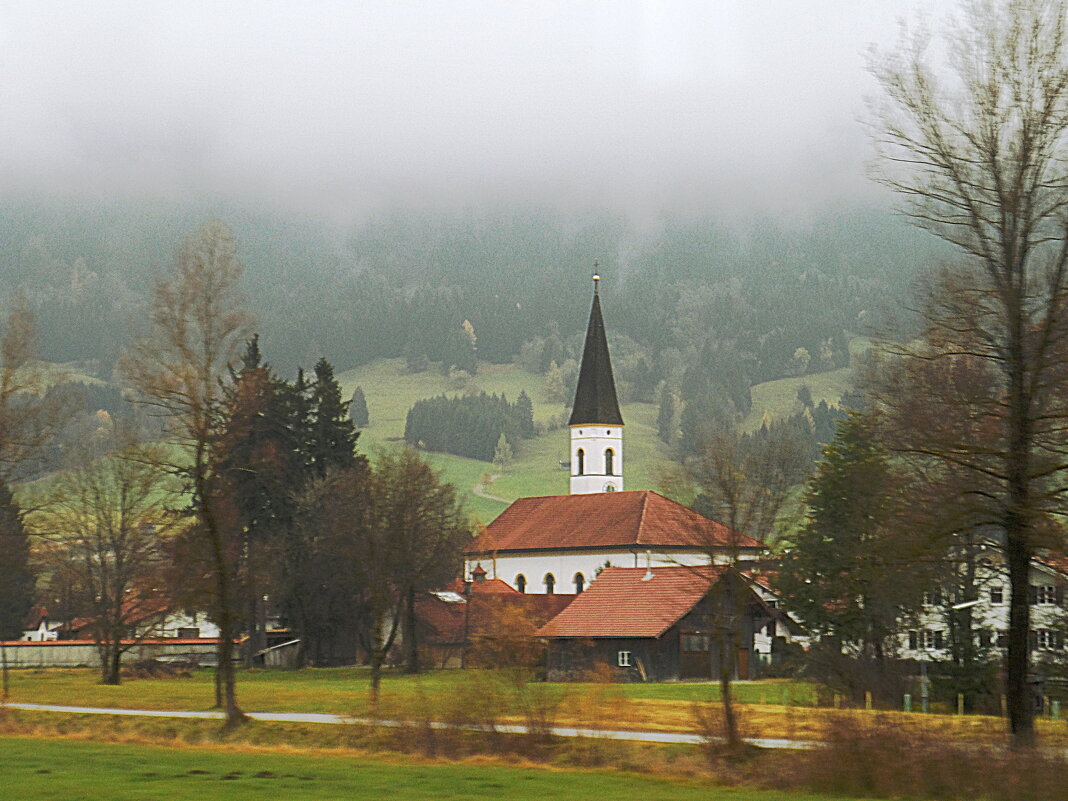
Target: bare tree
(978, 157)
(746, 480)
(105, 523)
(198, 321)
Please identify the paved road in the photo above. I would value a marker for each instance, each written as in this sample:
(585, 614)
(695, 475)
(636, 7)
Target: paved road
(321, 717)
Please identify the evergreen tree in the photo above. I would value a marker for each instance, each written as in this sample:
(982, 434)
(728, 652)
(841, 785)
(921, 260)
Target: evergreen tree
(665, 416)
(851, 572)
(358, 409)
(332, 434)
(16, 580)
(524, 415)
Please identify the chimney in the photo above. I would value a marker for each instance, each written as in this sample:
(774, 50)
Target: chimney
(648, 566)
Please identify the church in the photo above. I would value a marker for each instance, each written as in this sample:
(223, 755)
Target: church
(559, 543)
(648, 577)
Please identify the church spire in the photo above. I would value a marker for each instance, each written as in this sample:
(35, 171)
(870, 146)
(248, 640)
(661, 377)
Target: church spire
(595, 396)
(596, 424)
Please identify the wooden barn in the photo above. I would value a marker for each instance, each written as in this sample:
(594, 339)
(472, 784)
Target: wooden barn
(659, 624)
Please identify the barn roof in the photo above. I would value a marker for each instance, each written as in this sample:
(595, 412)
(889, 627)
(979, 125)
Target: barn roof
(633, 602)
(642, 519)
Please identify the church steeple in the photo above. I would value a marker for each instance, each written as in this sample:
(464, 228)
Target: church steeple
(595, 396)
(596, 423)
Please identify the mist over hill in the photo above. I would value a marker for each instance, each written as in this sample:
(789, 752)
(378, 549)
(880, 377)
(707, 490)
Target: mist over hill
(687, 291)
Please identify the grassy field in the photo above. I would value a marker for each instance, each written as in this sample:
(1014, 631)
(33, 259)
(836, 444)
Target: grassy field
(391, 392)
(51, 770)
(344, 690)
(770, 708)
(778, 398)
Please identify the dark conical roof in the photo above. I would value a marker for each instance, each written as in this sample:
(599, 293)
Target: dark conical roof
(595, 396)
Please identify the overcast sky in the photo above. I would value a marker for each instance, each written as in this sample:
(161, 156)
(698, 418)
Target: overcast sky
(340, 108)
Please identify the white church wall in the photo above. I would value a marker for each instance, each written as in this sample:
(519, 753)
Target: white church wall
(563, 565)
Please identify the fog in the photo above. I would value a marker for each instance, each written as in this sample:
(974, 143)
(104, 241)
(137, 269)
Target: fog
(338, 109)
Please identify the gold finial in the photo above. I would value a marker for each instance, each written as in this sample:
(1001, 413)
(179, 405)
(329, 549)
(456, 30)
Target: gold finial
(596, 277)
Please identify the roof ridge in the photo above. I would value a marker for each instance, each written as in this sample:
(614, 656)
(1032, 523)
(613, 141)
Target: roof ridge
(641, 517)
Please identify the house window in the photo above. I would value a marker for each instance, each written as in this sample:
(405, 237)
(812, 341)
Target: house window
(188, 633)
(623, 658)
(914, 640)
(521, 583)
(1043, 594)
(997, 595)
(610, 462)
(985, 638)
(933, 639)
(932, 598)
(695, 643)
(580, 582)
(550, 583)
(580, 457)
(770, 628)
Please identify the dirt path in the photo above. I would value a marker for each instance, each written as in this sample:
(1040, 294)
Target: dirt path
(480, 490)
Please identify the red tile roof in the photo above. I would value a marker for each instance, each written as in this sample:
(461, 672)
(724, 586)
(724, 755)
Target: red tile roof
(622, 602)
(603, 520)
(444, 622)
(1058, 561)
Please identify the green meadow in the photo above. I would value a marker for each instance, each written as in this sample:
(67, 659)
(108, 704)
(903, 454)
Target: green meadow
(58, 770)
(391, 391)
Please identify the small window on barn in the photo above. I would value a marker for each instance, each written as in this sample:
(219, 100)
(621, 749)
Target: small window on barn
(580, 582)
(623, 658)
(580, 457)
(521, 583)
(610, 462)
(550, 583)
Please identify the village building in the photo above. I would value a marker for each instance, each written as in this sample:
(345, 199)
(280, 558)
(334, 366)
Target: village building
(661, 624)
(984, 610)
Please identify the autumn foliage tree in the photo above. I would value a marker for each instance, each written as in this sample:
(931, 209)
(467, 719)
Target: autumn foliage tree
(197, 322)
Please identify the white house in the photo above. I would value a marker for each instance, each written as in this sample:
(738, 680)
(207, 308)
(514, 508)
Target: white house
(928, 636)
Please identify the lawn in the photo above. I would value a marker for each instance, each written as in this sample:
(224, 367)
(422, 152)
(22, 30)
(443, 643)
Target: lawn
(54, 770)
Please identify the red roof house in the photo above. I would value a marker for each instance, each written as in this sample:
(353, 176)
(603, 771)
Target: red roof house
(656, 624)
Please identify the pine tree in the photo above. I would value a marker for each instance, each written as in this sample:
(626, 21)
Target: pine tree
(665, 416)
(358, 409)
(333, 436)
(16, 580)
(524, 415)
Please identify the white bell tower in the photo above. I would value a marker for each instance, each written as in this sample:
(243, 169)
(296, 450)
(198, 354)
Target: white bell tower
(596, 423)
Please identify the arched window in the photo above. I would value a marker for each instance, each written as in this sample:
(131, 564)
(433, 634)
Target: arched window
(581, 455)
(580, 582)
(550, 583)
(609, 462)
(521, 583)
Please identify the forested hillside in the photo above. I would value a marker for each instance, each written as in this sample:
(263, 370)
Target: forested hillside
(707, 309)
